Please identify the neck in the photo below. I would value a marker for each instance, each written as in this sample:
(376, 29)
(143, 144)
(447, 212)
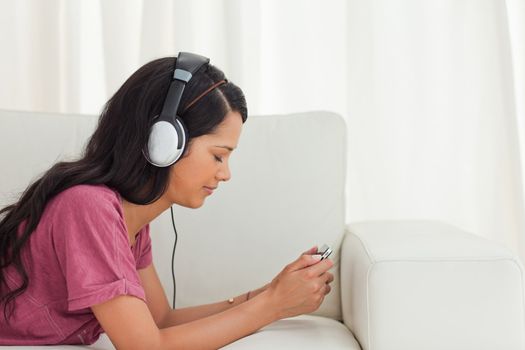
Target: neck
(137, 216)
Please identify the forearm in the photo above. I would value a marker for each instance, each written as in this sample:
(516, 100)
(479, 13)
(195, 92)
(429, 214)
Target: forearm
(225, 327)
(180, 316)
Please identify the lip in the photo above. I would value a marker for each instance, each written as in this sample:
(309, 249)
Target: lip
(209, 189)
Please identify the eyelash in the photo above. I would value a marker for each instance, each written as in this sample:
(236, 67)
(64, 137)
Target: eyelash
(218, 159)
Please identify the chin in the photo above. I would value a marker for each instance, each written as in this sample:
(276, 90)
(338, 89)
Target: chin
(193, 204)
(197, 206)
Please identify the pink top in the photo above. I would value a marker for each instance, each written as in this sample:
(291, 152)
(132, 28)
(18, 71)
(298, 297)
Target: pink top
(78, 256)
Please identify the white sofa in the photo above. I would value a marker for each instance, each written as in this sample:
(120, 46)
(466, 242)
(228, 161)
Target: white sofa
(407, 285)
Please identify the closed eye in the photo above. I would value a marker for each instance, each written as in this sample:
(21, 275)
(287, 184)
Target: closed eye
(218, 159)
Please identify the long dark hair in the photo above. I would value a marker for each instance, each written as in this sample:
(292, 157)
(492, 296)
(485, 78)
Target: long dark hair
(113, 155)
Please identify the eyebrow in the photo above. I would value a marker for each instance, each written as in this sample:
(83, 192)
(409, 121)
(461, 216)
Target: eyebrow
(227, 147)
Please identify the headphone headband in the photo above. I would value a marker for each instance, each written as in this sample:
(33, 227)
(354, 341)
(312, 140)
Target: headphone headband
(186, 65)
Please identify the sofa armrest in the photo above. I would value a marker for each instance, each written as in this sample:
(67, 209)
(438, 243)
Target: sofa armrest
(415, 285)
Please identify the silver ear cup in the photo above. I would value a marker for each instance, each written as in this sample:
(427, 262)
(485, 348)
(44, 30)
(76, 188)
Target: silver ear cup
(164, 143)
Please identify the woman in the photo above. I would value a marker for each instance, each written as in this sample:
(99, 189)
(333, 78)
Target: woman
(75, 250)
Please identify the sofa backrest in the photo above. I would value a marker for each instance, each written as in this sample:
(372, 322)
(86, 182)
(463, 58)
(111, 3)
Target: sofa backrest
(286, 195)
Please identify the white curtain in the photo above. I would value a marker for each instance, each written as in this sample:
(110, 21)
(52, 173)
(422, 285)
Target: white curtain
(433, 91)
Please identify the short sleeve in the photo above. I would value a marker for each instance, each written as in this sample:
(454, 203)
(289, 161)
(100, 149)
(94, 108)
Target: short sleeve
(144, 255)
(92, 247)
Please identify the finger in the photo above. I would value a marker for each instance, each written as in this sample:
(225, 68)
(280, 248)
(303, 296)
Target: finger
(327, 290)
(303, 261)
(310, 251)
(326, 278)
(322, 298)
(321, 267)
(329, 277)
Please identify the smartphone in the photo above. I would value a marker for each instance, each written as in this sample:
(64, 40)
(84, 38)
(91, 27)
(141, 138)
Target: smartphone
(324, 251)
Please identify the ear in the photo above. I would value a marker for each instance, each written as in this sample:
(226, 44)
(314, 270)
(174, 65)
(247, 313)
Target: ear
(188, 149)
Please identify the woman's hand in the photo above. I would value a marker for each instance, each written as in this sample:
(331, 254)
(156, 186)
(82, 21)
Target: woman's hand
(301, 286)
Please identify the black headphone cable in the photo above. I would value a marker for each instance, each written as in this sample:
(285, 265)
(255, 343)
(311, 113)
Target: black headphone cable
(173, 258)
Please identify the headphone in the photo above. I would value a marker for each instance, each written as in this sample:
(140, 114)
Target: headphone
(168, 136)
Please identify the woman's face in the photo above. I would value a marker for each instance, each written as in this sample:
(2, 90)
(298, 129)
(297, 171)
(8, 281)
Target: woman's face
(196, 175)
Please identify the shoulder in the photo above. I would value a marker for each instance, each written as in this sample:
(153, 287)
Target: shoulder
(86, 214)
(83, 199)
(87, 193)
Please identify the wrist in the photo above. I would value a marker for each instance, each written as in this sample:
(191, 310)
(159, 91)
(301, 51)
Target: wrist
(241, 298)
(259, 290)
(271, 308)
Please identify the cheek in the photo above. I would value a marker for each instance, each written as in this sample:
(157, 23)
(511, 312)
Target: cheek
(184, 192)
(189, 178)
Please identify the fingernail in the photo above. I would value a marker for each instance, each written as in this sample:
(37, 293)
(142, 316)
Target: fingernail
(316, 257)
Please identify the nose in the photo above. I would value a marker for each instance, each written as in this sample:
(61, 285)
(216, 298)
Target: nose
(224, 173)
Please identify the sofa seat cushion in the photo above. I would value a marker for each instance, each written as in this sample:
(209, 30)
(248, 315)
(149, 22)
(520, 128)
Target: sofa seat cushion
(103, 343)
(301, 332)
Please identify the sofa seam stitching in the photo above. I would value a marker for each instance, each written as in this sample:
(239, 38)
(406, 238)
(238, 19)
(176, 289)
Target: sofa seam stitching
(447, 260)
(372, 263)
